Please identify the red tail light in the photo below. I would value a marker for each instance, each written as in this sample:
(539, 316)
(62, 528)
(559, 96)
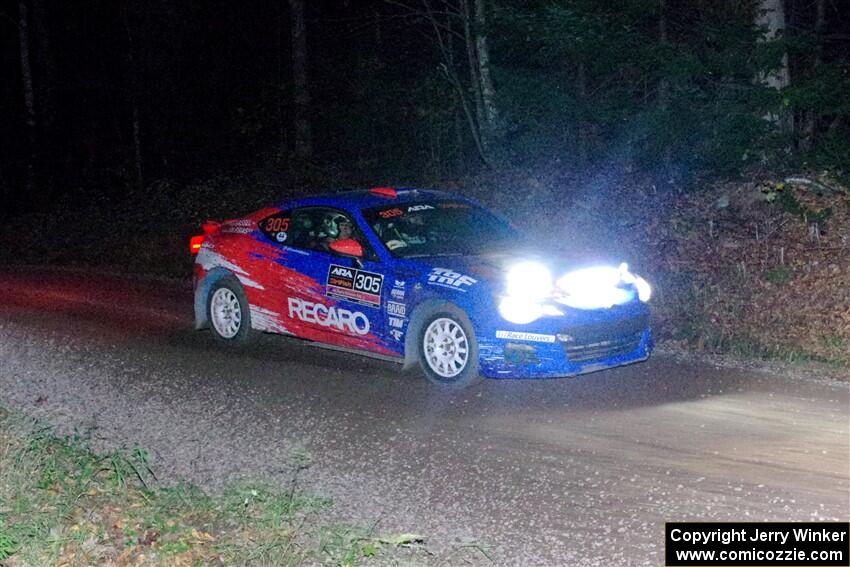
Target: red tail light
(195, 244)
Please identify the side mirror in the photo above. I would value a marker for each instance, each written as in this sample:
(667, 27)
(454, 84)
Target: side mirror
(347, 247)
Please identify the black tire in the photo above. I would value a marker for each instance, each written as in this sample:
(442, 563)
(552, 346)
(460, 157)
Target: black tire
(448, 349)
(229, 291)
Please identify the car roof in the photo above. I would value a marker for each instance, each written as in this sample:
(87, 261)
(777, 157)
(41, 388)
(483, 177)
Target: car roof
(366, 198)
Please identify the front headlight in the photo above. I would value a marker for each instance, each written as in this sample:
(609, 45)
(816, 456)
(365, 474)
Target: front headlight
(529, 284)
(529, 280)
(643, 288)
(519, 311)
(601, 287)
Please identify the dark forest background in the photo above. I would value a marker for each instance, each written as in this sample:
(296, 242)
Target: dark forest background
(105, 97)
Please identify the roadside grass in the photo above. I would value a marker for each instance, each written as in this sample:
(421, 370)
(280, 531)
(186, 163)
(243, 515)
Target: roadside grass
(745, 345)
(63, 504)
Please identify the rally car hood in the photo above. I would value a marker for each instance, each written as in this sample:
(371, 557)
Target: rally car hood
(493, 267)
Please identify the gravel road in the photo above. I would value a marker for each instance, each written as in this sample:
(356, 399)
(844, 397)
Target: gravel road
(576, 471)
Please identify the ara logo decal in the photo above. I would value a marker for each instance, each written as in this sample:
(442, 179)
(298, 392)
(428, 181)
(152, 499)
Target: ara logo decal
(394, 308)
(342, 271)
(334, 317)
(358, 286)
(414, 208)
(450, 278)
(396, 322)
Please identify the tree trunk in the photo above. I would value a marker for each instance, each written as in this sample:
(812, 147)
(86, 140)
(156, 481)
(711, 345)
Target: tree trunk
(811, 116)
(44, 58)
(134, 107)
(664, 92)
(488, 92)
(300, 84)
(282, 142)
(770, 16)
(29, 95)
(474, 79)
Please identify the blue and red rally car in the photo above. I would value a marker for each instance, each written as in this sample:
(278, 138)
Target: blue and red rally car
(418, 277)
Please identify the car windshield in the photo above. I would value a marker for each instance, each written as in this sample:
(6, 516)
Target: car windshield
(439, 228)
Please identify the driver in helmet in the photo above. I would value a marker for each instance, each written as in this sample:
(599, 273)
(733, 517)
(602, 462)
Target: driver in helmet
(341, 229)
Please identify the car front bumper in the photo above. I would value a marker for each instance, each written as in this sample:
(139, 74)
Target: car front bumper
(577, 343)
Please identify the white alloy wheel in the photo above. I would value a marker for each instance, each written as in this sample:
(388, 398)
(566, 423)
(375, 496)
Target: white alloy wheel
(225, 313)
(445, 347)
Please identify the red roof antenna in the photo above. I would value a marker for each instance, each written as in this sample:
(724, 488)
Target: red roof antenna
(387, 192)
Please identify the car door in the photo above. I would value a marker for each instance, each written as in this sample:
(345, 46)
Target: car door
(329, 297)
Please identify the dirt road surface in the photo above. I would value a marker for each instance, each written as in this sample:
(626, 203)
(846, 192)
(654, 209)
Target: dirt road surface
(580, 471)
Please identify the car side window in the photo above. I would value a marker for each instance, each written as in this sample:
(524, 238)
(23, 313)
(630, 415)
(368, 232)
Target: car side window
(315, 228)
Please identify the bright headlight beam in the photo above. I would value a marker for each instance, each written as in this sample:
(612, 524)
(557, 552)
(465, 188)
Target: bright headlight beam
(529, 280)
(643, 288)
(519, 311)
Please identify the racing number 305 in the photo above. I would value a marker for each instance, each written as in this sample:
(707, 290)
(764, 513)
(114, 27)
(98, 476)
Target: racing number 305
(367, 283)
(277, 224)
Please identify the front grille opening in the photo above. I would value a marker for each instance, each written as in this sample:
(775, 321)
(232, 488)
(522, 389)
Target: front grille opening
(596, 341)
(598, 349)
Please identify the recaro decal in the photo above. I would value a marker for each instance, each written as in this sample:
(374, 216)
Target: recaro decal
(354, 285)
(334, 317)
(450, 278)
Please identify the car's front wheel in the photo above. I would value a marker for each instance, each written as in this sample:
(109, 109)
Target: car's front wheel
(228, 312)
(448, 350)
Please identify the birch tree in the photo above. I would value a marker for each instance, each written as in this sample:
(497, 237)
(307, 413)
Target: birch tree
(300, 83)
(770, 17)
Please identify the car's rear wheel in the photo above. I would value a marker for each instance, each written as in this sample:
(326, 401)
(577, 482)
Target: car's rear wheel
(228, 312)
(448, 350)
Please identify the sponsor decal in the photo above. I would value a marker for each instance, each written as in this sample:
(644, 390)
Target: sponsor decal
(354, 285)
(394, 308)
(390, 213)
(521, 336)
(397, 292)
(237, 230)
(452, 205)
(396, 334)
(565, 338)
(521, 354)
(396, 322)
(280, 237)
(320, 314)
(414, 208)
(450, 278)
